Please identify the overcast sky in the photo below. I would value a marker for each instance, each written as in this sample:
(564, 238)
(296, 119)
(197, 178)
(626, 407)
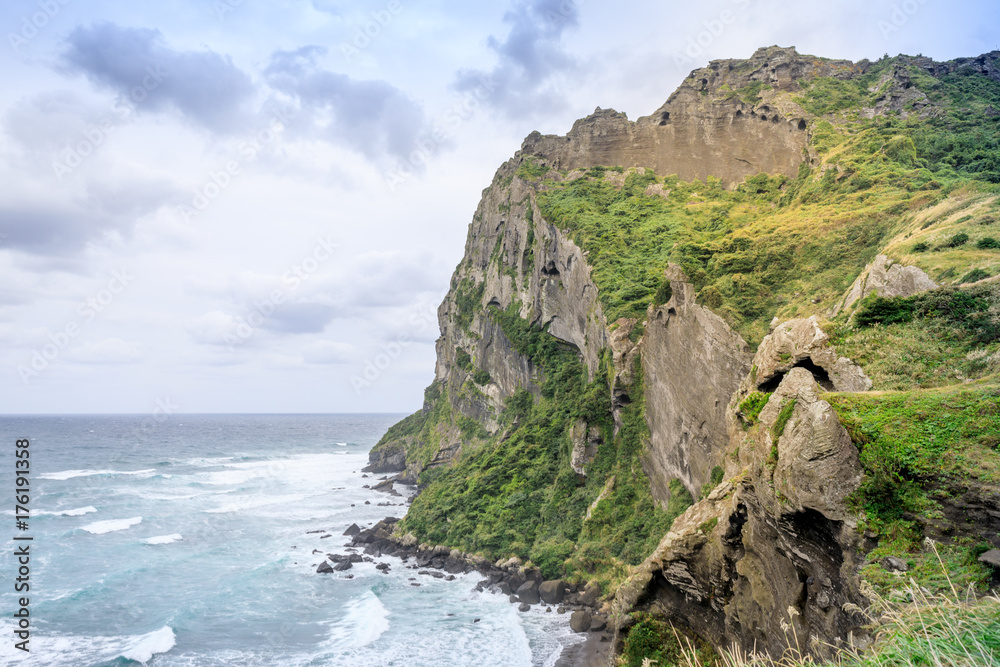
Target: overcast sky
(250, 206)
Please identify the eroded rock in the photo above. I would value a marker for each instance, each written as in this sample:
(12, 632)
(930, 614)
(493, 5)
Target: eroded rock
(801, 343)
(692, 362)
(887, 279)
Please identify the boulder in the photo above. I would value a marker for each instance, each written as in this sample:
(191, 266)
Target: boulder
(591, 594)
(551, 592)
(324, 567)
(991, 558)
(528, 592)
(598, 623)
(524, 606)
(887, 279)
(579, 621)
(893, 564)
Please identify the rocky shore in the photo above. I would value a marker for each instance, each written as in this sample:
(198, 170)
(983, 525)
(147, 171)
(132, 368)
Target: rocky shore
(523, 586)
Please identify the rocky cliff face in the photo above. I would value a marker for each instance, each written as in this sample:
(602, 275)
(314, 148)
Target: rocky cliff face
(770, 555)
(715, 124)
(770, 558)
(692, 362)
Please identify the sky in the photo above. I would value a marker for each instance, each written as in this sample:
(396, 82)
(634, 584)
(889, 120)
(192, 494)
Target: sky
(248, 206)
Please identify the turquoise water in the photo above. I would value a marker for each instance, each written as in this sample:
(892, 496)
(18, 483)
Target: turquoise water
(187, 542)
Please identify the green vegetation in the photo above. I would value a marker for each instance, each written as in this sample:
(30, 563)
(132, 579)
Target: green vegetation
(518, 495)
(530, 169)
(918, 449)
(468, 298)
(787, 408)
(752, 405)
(463, 360)
(928, 340)
(920, 186)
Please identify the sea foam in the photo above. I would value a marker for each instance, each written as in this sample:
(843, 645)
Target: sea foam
(146, 646)
(70, 474)
(164, 539)
(111, 525)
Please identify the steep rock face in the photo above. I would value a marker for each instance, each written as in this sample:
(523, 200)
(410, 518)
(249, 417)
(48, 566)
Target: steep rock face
(706, 128)
(513, 258)
(771, 554)
(692, 363)
(887, 279)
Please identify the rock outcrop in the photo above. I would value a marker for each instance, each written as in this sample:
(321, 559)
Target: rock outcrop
(770, 558)
(706, 128)
(692, 362)
(885, 278)
(801, 343)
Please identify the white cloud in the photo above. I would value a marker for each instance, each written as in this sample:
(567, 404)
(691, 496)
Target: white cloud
(329, 352)
(107, 351)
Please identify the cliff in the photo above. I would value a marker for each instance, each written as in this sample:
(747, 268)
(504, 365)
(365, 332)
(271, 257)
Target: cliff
(678, 354)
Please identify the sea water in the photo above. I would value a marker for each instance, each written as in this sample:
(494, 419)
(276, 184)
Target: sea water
(190, 540)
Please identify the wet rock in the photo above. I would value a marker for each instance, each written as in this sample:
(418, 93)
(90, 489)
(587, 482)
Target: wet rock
(524, 606)
(528, 592)
(579, 621)
(551, 592)
(598, 623)
(324, 567)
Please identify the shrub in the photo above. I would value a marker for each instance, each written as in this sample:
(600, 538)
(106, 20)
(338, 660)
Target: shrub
(481, 377)
(650, 639)
(752, 405)
(463, 360)
(663, 293)
(987, 243)
(921, 247)
(878, 310)
(957, 240)
(973, 276)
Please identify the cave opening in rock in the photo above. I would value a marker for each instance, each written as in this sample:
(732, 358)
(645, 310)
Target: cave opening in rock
(802, 124)
(818, 372)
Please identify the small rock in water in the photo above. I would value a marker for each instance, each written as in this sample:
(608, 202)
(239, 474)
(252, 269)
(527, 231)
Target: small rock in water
(524, 606)
(476, 620)
(368, 502)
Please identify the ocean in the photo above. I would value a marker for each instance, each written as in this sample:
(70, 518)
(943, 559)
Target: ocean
(189, 540)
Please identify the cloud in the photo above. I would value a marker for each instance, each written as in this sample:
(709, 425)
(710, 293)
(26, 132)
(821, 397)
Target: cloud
(212, 328)
(204, 86)
(63, 225)
(372, 117)
(300, 318)
(329, 352)
(107, 351)
(528, 60)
